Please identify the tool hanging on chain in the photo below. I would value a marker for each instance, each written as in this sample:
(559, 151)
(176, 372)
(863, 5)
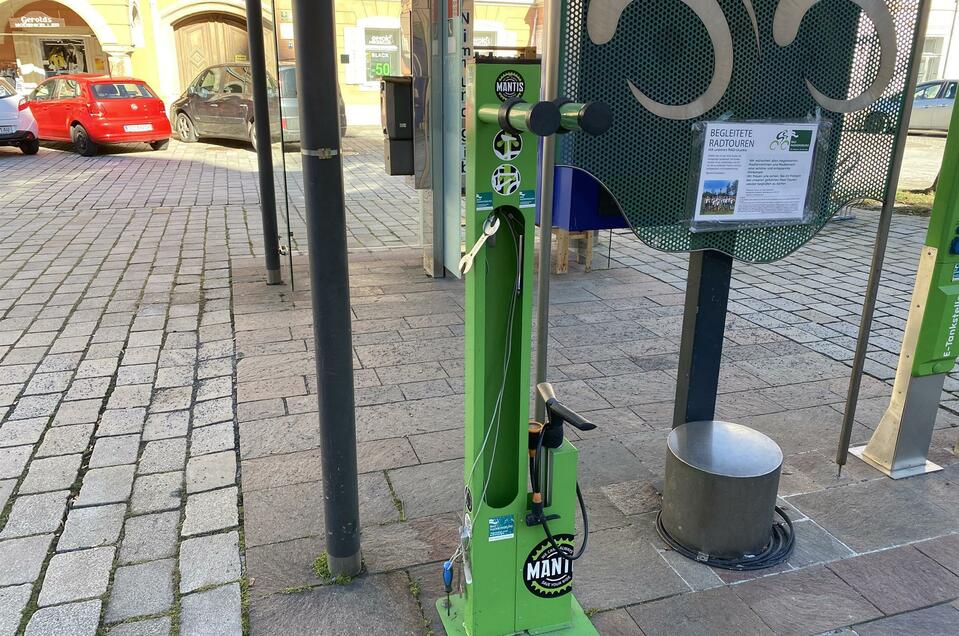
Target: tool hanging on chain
(490, 227)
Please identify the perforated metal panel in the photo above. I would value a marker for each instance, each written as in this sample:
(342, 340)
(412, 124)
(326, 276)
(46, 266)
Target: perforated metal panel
(663, 48)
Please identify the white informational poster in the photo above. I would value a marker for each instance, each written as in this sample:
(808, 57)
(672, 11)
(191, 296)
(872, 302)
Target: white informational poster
(754, 172)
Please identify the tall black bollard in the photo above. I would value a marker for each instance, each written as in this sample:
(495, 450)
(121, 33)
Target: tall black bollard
(313, 23)
(264, 154)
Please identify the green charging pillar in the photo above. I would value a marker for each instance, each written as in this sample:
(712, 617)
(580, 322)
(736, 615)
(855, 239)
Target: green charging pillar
(511, 580)
(930, 346)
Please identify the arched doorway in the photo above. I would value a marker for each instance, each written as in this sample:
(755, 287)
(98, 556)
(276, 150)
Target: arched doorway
(207, 39)
(44, 38)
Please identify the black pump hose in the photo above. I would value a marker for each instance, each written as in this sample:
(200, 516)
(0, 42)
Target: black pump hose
(534, 480)
(778, 549)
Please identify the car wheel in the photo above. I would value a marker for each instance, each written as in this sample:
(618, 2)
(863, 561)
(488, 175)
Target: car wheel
(82, 142)
(253, 136)
(185, 129)
(163, 144)
(875, 123)
(30, 147)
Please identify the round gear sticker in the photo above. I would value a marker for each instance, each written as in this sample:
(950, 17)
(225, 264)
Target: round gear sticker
(546, 573)
(507, 146)
(509, 84)
(506, 179)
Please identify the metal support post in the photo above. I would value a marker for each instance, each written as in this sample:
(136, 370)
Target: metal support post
(313, 25)
(704, 323)
(264, 150)
(548, 92)
(879, 251)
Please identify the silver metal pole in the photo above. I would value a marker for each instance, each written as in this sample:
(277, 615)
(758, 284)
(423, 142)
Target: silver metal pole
(879, 251)
(548, 92)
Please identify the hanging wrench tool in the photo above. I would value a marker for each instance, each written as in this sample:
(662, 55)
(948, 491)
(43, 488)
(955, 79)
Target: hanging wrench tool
(490, 227)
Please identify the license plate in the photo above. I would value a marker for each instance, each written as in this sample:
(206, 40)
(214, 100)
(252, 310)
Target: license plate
(7, 130)
(138, 128)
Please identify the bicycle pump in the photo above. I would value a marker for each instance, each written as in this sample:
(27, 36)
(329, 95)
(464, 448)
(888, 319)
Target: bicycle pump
(514, 563)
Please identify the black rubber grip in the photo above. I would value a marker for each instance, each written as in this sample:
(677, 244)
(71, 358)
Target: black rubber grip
(570, 416)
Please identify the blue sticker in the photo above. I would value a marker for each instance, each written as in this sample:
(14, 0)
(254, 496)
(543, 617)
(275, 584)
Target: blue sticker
(484, 201)
(527, 198)
(501, 528)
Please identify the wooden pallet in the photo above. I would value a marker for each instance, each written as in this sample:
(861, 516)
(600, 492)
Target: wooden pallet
(584, 250)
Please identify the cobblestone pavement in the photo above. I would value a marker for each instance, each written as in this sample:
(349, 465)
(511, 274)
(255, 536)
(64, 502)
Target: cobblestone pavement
(158, 442)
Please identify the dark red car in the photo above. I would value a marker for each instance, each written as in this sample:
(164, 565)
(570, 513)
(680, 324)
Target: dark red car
(90, 110)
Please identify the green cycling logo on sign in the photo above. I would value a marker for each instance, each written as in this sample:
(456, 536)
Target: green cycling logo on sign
(546, 573)
(792, 140)
(509, 84)
(506, 179)
(507, 146)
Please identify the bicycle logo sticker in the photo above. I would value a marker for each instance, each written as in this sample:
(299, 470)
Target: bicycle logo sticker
(506, 179)
(546, 573)
(507, 146)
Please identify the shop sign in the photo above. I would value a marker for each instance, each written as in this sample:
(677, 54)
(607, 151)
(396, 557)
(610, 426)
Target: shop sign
(37, 20)
(381, 37)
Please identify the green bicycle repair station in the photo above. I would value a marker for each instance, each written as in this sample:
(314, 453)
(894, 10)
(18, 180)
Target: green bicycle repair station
(804, 86)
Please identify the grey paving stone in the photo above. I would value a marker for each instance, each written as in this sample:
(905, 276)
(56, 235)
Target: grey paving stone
(848, 513)
(940, 620)
(36, 406)
(51, 473)
(65, 440)
(12, 602)
(22, 432)
(121, 421)
(715, 611)
(73, 576)
(444, 495)
(281, 470)
(163, 455)
(6, 489)
(115, 451)
(807, 601)
(212, 439)
(943, 550)
(898, 580)
(285, 565)
(154, 493)
(213, 411)
(23, 559)
(210, 471)
(106, 485)
(92, 527)
(150, 627)
(165, 425)
(377, 605)
(615, 623)
(209, 560)
(141, 590)
(150, 537)
(74, 619)
(211, 510)
(13, 460)
(35, 514)
(213, 612)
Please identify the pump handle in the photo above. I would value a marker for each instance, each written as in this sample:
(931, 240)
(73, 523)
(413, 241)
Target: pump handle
(558, 413)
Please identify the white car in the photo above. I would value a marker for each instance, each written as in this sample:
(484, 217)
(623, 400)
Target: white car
(17, 125)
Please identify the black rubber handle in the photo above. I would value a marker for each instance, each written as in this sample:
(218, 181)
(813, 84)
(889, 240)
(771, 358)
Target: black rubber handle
(568, 415)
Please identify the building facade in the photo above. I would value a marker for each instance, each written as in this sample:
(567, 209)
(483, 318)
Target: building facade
(168, 42)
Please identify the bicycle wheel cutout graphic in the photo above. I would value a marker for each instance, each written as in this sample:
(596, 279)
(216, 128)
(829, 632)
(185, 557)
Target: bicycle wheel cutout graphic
(506, 179)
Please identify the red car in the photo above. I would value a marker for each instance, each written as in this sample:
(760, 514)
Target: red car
(90, 110)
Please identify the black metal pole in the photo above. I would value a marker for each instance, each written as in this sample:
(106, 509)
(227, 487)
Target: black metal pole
(313, 24)
(704, 326)
(264, 154)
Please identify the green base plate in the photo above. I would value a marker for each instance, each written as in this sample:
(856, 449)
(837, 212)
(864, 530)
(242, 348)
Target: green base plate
(453, 621)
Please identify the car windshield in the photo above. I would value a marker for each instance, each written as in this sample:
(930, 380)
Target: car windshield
(6, 90)
(121, 90)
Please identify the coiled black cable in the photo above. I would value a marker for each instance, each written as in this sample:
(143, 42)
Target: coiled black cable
(780, 546)
(534, 480)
